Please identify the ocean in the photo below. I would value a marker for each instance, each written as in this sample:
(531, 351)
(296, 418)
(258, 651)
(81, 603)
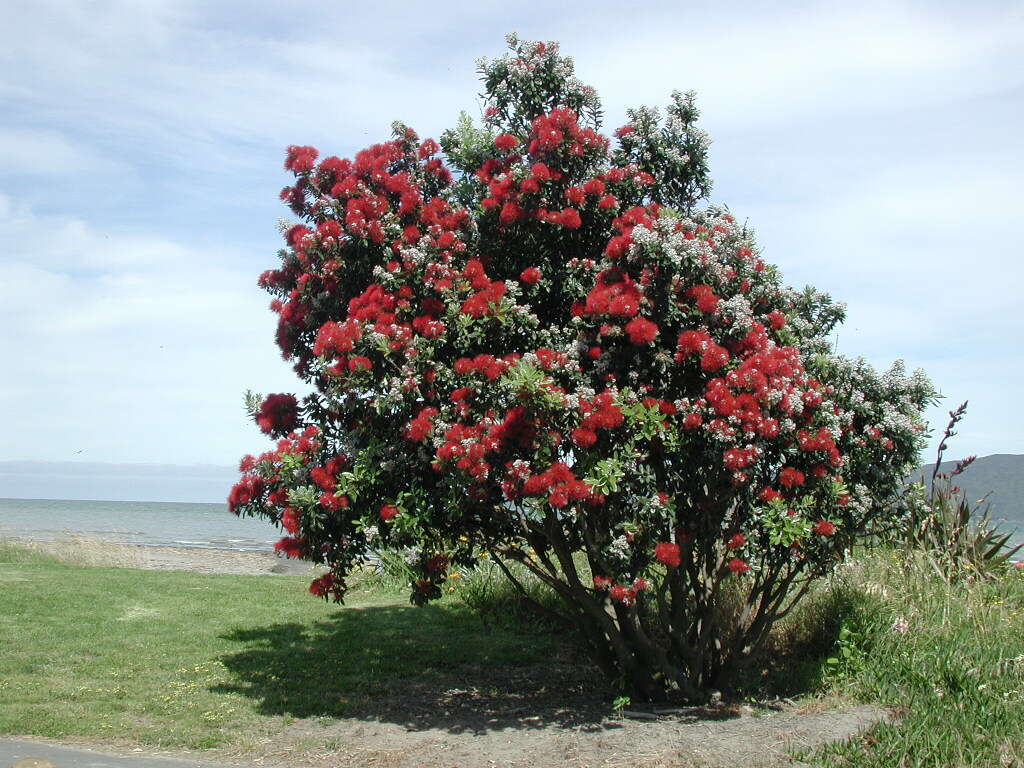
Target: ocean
(150, 523)
(155, 523)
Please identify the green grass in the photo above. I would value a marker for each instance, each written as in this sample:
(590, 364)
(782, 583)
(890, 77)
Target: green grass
(949, 659)
(184, 660)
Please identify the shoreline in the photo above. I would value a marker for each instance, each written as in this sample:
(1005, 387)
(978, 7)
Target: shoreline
(159, 557)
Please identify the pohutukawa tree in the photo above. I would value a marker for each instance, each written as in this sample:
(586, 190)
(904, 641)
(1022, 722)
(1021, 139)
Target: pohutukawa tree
(529, 341)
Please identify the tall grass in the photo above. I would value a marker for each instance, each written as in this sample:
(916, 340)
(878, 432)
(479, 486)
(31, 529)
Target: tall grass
(487, 591)
(483, 588)
(946, 656)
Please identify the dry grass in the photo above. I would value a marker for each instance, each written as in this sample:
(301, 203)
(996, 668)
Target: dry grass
(76, 549)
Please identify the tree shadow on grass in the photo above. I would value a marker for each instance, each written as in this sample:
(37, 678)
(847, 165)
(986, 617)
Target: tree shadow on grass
(431, 667)
(438, 667)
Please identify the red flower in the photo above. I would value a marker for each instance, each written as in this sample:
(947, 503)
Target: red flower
(705, 297)
(333, 502)
(737, 541)
(713, 358)
(278, 414)
(290, 520)
(510, 212)
(291, 547)
(622, 594)
(790, 477)
(668, 553)
(738, 566)
(570, 219)
(461, 394)
(420, 427)
(531, 275)
(322, 586)
(389, 512)
(428, 148)
(529, 187)
(245, 491)
(602, 582)
(824, 528)
(322, 477)
(641, 330)
(506, 142)
(584, 438)
(692, 421)
(300, 159)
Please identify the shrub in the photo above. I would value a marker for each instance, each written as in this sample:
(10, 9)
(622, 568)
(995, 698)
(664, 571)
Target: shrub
(529, 340)
(958, 539)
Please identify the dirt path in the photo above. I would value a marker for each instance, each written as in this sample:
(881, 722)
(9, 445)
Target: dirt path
(677, 740)
(553, 715)
(684, 738)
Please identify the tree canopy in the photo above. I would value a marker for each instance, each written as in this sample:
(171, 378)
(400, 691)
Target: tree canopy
(531, 340)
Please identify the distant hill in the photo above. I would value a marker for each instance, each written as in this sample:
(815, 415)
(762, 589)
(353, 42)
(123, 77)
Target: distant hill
(81, 480)
(1001, 476)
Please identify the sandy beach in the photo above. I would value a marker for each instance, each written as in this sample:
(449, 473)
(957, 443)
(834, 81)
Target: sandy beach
(92, 551)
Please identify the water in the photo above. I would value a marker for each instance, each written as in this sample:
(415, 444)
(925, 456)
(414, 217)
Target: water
(151, 523)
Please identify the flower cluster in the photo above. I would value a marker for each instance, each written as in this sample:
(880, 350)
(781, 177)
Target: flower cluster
(278, 414)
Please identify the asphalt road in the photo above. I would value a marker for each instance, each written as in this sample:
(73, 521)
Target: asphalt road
(13, 751)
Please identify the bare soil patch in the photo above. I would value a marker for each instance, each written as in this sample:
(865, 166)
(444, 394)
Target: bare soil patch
(745, 737)
(550, 717)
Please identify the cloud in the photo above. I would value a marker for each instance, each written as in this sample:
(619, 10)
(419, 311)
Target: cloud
(873, 147)
(764, 67)
(36, 152)
(127, 346)
(165, 77)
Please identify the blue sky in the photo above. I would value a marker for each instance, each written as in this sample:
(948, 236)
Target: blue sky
(875, 147)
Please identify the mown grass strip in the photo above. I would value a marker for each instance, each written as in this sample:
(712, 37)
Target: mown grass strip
(175, 659)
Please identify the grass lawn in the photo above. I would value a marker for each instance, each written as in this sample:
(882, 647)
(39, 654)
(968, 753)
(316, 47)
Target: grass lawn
(182, 660)
(194, 661)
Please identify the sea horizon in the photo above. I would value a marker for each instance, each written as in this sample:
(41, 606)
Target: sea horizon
(199, 525)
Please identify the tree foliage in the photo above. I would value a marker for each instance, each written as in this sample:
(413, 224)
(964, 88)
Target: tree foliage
(529, 340)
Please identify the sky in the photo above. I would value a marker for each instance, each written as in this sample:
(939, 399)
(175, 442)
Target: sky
(875, 148)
